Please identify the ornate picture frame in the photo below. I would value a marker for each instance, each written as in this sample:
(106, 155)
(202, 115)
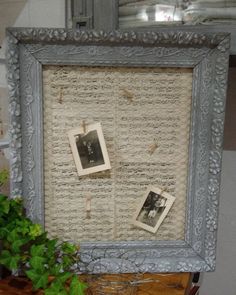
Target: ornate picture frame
(206, 53)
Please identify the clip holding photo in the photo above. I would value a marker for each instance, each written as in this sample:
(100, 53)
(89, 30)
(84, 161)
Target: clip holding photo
(88, 206)
(60, 96)
(84, 126)
(127, 94)
(152, 147)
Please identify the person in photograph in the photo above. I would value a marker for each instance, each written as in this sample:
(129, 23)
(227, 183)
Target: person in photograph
(152, 209)
(148, 208)
(160, 204)
(150, 203)
(89, 149)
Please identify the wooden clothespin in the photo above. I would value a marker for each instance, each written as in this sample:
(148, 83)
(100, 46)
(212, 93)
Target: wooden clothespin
(60, 96)
(84, 126)
(88, 206)
(1, 127)
(128, 94)
(163, 190)
(152, 147)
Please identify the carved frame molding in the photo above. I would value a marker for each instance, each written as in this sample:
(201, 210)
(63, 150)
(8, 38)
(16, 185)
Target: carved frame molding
(206, 53)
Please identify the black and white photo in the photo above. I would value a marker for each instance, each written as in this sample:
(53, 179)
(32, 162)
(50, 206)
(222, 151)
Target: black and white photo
(153, 208)
(89, 149)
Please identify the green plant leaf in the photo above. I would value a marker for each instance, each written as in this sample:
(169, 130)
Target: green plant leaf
(33, 275)
(51, 244)
(41, 239)
(51, 291)
(13, 236)
(63, 277)
(56, 288)
(24, 244)
(67, 261)
(16, 245)
(51, 247)
(56, 284)
(76, 286)
(42, 282)
(23, 225)
(16, 208)
(55, 270)
(5, 206)
(68, 248)
(35, 230)
(38, 263)
(9, 260)
(39, 280)
(37, 250)
(2, 198)
(3, 231)
(4, 175)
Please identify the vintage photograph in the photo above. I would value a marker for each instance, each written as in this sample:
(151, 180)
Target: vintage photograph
(153, 208)
(89, 149)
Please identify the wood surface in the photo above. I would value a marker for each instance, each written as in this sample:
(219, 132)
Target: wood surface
(139, 284)
(123, 284)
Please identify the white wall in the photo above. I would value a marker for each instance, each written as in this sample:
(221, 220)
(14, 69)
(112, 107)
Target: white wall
(25, 13)
(34, 13)
(42, 13)
(223, 280)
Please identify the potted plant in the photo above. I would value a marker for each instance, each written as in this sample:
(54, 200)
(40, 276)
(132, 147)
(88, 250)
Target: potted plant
(48, 263)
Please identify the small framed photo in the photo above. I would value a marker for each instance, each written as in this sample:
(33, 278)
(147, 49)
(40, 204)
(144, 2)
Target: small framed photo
(89, 149)
(153, 209)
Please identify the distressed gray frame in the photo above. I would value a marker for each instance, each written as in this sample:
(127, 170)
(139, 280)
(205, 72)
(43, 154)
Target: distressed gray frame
(206, 53)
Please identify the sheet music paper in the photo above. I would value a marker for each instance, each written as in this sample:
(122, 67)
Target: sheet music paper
(159, 111)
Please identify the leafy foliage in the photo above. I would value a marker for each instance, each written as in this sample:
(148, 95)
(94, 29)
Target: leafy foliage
(26, 247)
(4, 175)
(76, 287)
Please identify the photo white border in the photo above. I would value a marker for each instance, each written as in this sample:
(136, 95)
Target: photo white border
(170, 201)
(89, 127)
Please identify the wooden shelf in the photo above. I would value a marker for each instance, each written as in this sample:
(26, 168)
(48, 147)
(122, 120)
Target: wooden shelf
(123, 284)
